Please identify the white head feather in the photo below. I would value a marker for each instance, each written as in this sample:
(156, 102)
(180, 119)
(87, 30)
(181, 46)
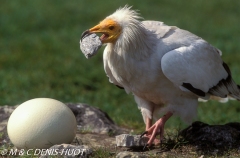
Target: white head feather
(134, 36)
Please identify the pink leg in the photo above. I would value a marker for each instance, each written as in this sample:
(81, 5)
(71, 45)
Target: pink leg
(157, 128)
(148, 123)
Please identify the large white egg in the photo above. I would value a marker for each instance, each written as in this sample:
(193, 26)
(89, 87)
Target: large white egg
(41, 123)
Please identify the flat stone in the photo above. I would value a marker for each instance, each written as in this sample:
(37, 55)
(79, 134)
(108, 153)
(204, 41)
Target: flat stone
(128, 140)
(90, 44)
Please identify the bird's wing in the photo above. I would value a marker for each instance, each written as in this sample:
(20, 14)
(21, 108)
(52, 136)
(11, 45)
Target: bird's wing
(194, 66)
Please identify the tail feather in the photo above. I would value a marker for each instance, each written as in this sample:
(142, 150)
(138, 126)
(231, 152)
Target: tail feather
(220, 89)
(226, 87)
(237, 94)
(233, 89)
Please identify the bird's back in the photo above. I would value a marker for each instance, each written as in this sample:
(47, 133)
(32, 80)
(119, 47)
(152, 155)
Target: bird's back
(170, 37)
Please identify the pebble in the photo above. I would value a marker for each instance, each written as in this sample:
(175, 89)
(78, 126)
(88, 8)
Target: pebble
(128, 140)
(90, 44)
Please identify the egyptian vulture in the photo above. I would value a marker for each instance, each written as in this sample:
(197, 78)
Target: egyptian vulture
(167, 69)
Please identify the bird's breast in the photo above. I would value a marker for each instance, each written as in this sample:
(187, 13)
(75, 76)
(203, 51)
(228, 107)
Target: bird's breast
(143, 78)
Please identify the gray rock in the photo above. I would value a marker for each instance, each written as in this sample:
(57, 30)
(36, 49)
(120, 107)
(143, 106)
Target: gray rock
(5, 112)
(94, 120)
(128, 140)
(90, 44)
(67, 150)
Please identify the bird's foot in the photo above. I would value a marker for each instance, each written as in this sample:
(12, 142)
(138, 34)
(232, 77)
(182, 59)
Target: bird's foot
(157, 128)
(145, 134)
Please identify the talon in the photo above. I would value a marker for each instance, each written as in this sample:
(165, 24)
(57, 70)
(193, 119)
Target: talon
(146, 132)
(146, 145)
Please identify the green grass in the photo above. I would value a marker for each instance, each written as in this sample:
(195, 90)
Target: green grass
(40, 55)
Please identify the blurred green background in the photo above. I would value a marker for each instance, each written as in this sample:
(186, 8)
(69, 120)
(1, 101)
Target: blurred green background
(40, 55)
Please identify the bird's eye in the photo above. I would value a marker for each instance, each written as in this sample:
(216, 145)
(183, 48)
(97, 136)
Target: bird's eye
(111, 27)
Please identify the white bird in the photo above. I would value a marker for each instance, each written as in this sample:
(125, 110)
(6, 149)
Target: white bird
(167, 69)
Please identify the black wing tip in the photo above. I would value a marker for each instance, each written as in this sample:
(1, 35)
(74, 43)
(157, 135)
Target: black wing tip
(194, 90)
(226, 68)
(119, 87)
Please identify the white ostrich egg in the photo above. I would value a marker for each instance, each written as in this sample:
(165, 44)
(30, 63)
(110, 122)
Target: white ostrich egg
(41, 123)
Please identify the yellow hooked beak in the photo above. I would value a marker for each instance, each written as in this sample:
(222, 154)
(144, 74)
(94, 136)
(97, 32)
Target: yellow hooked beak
(109, 28)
